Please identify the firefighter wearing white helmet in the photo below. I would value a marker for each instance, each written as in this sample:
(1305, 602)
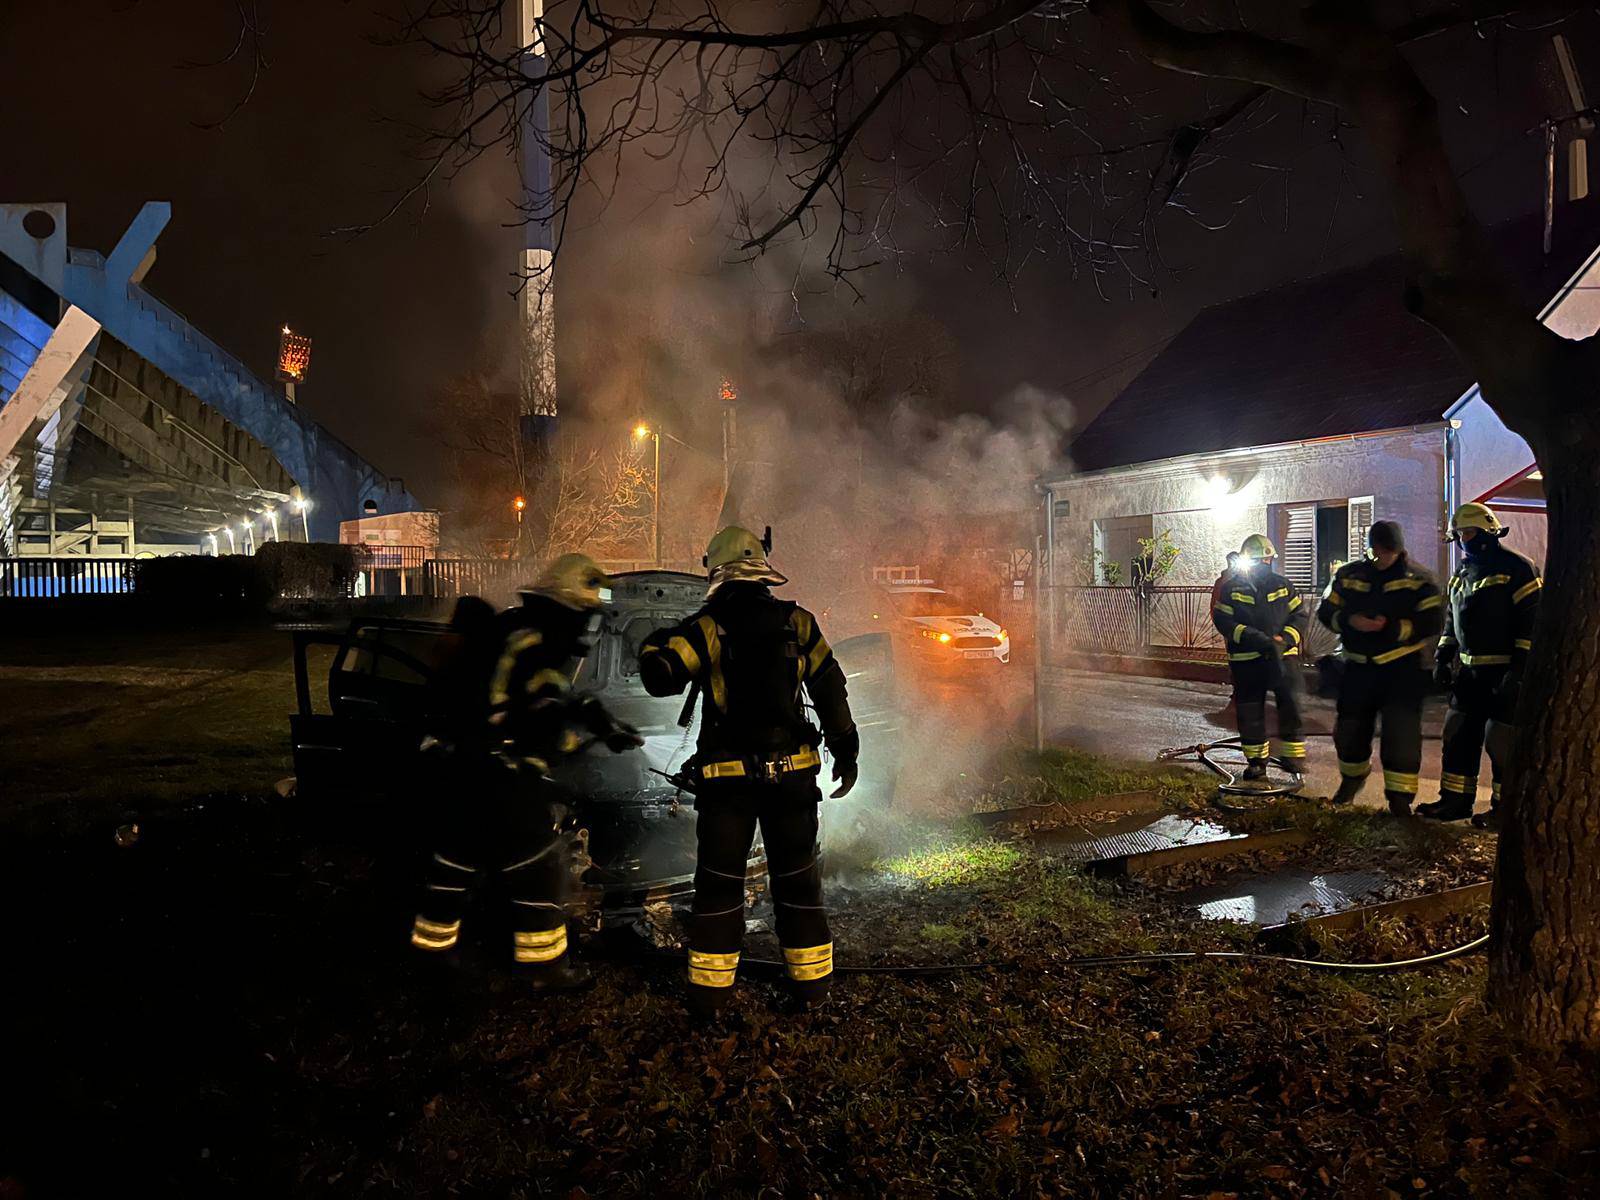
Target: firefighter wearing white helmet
(505, 814)
(752, 658)
(1493, 601)
(1262, 620)
(1386, 612)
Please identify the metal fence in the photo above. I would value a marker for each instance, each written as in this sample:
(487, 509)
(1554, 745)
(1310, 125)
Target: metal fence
(48, 578)
(1158, 622)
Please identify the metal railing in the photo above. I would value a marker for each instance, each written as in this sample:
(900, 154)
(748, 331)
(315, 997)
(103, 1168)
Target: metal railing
(49, 578)
(1154, 622)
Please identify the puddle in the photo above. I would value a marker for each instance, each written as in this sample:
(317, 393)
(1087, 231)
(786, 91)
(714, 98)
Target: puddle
(1286, 895)
(1134, 834)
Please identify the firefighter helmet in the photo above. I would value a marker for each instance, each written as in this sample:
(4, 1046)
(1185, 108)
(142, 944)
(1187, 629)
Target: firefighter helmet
(575, 581)
(1258, 547)
(1476, 516)
(737, 554)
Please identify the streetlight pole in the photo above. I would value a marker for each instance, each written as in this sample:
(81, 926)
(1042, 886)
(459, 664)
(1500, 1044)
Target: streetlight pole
(641, 430)
(519, 504)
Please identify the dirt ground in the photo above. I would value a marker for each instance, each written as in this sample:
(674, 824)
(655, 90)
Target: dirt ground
(228, 1007)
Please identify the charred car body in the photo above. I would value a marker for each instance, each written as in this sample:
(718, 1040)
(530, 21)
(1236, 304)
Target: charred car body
(635, 830)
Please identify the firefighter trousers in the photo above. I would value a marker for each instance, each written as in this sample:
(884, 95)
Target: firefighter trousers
(1252, 680)
(728, 815)
(1393, 693)
(1479, 718)
(501, 826)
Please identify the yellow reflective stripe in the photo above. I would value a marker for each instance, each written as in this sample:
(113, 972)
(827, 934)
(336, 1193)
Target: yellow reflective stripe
(549, 677)
(1355, 770)
(1388, 656)
(685, 652)
(1428, 602)
(1254, 751)
(1523, 644)
(1494, 792)
(722, 770)
(1399, 781)
(719, 685)
(500, 688)
(1447, 640)
(808, 954)
(1242, 597)
(1333, 597)
(541, 951)
(1526, 590)
(1405, 630)
(1408, 583)
(1220, 607)
(803, 759)
(815, 971)
(1485, 660)
(1277, 595)
(1293, 632)
(713, 970)
(438, 928)
(539, 937)
(1352, 656)
(1291, 749)
(1488, 581)
(1355, 585)
(1294, 604)
(819, 655)
(425, 941)
(1452, 782)
(1245, 657)
(1238, 631)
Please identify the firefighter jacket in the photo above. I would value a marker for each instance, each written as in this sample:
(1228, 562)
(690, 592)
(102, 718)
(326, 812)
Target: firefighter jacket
(534, 714)
(1403, 595)
(750, 655)
(1252, 609)
(1491, 605)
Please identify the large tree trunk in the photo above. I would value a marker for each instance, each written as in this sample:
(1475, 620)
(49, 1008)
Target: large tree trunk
(1544, 971)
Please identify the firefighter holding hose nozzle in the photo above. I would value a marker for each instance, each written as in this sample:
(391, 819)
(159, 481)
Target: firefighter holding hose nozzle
(507, 816)
(749, 654)
(1262, 620)
(1386, 612)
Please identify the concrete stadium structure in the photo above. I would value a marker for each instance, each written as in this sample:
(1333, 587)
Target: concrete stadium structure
(125, 431)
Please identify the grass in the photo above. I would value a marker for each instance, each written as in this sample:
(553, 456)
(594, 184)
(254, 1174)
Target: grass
(1065, 775)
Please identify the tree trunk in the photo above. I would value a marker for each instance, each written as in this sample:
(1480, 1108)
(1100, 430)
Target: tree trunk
(1544, 968)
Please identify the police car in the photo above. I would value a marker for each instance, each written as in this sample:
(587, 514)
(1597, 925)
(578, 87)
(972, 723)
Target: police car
(942, 628)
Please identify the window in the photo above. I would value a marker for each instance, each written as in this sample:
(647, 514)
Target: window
(1317, 537)
(1116, 547)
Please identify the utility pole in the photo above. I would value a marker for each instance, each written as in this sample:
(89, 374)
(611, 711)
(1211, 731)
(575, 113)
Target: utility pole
(537, 406)
(656, 494)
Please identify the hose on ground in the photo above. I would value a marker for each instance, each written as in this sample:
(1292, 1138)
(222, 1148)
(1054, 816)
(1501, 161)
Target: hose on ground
(1131, 960)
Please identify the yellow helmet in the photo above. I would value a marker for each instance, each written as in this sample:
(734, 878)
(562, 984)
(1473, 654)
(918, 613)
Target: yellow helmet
(1476, 516)
(576, 581)
(1258, 547)
(733, 544)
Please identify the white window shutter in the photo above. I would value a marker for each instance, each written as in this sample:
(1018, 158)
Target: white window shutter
(1360, 522)
(1298, 559)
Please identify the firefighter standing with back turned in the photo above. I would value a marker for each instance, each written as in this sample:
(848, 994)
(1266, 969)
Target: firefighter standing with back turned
(1493, 600)
(1263, 620)
(1386, 613)
(507, 816)
(749, 654)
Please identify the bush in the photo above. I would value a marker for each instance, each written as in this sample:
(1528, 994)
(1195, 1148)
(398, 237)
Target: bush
(308, 570)
(201, 581)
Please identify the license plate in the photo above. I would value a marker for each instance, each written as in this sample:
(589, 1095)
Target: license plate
(978, 654)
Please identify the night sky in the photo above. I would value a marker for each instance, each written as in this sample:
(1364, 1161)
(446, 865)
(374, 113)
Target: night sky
(109, 118)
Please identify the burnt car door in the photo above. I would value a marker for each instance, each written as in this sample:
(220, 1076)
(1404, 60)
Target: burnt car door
(869, 672)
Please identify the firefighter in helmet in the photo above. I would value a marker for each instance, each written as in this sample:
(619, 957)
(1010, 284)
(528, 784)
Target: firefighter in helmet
(507, 820)
(1492, 601)
(750, 655)
(1386, 612)
(1262, 620)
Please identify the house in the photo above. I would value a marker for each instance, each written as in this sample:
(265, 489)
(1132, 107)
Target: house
(1306, 413)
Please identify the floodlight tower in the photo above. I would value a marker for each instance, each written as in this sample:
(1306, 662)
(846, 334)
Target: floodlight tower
(537, 407)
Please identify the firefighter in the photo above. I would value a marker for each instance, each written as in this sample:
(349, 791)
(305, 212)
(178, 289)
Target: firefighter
(1224, 578)
(1263, 620)
(1386, 612)
(749, 655)
(508, 820)
(1492, 601)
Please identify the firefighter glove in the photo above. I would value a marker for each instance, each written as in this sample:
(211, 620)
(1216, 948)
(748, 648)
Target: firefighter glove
(1444, 671)
(1258, 639)
(844, 774)
(623, 737)
(1510, 684)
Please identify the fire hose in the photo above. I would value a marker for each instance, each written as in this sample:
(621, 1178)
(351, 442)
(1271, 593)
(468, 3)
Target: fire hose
(1130, 960)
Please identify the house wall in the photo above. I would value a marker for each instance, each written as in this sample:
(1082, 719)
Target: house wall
(1210, 503)
(1487, 452)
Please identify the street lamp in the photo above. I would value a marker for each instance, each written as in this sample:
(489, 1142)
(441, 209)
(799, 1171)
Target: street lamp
(303, 506)
(519, 504)
(232, 545)
(245, 527)
(640, 432)
(212, 538)
(272, 515)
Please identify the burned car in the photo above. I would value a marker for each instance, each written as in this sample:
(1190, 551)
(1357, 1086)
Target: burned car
(636, 828)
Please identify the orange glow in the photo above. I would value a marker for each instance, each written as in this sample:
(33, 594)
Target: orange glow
(641, 431)
(519, 504)
(294, 356)
(729, 393)
(944, 637)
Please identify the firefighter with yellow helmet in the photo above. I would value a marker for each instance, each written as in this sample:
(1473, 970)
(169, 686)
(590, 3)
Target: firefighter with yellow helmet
(1493, 601)
(1386, 612)
(753, 658)
(1263, 620)
(506, 816)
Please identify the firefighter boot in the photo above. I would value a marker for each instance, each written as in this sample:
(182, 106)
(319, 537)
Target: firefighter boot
(561, 976)
(1349, 789)
(1256, 769)
(1399, 803)
(1488, 820)
(1449, 807)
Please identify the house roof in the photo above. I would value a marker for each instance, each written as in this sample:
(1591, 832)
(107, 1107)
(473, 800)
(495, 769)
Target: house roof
(1321, 357)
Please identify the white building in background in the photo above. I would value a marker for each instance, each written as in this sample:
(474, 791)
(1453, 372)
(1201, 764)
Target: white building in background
(1306, 413)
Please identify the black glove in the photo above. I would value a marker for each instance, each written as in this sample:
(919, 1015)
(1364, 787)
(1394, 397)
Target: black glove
(1258, 639)
(1510, 684)
(1444, 671)
(622, 737)
(844, 774)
